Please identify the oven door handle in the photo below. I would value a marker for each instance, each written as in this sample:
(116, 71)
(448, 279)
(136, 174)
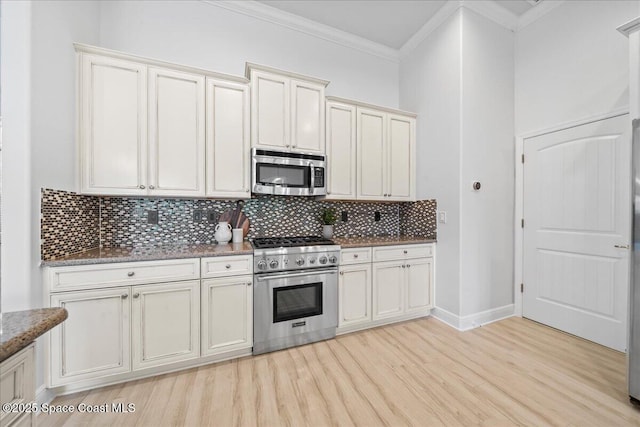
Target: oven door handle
(289, 275)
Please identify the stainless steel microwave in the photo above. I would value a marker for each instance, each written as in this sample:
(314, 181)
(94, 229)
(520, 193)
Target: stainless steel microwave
(288, 174)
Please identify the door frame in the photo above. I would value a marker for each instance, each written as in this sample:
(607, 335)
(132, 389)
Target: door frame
(518, 230)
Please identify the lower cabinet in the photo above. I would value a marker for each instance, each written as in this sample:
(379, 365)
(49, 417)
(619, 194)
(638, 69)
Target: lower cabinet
(419, 284)
(388, 289)
(18, 388)
(165, 323)
(227, 314)
(354, 300)
(95, 341)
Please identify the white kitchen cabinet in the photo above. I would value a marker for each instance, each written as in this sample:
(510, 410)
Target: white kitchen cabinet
(165, 323)
(389, 285)
(341, 151)
(354, 301)
(227, 314)
(176, 117)
(18, 387)
(419, 277)
(287, 110)
(94, 341)
(385, 156)
(228, 163)
(112, 125)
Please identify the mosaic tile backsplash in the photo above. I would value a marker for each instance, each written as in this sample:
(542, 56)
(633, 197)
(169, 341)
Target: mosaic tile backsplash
(122, 222)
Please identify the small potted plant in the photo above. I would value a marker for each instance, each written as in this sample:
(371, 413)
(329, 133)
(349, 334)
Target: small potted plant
(329, 219)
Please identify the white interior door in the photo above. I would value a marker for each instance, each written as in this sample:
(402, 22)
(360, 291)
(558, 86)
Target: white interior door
(577, 230)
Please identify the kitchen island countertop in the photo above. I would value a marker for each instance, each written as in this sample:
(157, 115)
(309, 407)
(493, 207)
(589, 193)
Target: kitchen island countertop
(109, 255)
(20, 328)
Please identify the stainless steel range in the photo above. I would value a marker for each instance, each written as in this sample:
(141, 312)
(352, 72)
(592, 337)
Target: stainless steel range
(295, 294)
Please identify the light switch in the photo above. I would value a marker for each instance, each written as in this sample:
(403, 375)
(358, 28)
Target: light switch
(442, 217)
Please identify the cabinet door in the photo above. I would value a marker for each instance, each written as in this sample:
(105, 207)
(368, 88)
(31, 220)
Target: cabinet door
(227, 314)
(228, 145)
(419, 284)
(400, 152)
(354, 302)
(166, 323)
(176, 133)
(341, 151)
(388, 289)
(112, 126)
(270, 110)
(371, 157)
(94, 341)
(307, 117)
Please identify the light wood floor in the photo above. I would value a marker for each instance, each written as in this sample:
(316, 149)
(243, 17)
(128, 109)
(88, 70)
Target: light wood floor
(422, 372)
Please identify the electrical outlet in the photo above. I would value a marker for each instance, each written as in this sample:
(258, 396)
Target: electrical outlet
(212, 216)
(152, 217)
(345, 216)
(442, 217)
(197, 215)
(376, 216)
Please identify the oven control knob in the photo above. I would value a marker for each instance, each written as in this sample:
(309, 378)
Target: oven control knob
(273, 263)
(300, 261)
(262, 264)
(323, 260)
(333, 259)
(312, 260)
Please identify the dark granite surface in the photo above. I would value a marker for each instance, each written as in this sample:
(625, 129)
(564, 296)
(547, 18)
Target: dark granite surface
(109, 255)
(365, 241)
(19, 328)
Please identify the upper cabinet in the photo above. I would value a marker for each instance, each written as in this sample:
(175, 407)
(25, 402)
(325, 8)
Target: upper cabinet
(370, 152)
(287, 110)
(149, 128)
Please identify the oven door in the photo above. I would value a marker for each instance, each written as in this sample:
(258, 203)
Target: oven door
(294, 308)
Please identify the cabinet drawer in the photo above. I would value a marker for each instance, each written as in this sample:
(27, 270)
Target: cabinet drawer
(355, 256)
(390, 253)
(125, 273)
(227, 266)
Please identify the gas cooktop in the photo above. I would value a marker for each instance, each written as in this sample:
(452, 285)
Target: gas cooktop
(288, 242)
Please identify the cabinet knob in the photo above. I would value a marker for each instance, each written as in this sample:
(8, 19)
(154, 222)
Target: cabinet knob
(228, 266)
(405, 252)
(136, 295)
(247, 190)
(355, 255)
(328, 192)
(124, 296)
(249, 284)
(142, 187)
(342, 273)
(131, 273)
(404, 266)
(408, 265)
(151, 187)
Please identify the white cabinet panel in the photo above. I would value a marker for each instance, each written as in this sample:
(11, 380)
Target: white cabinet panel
(223, 266)
(390, 253)
(355, 256)
(307, 124)
(419, 287)
(176, 133)
(388, 289)
(270, 110)
(113, 126)
(401, 157)
(17, 386)
(166, 323)
(227, 314)
(341, 151)
(228, 145)
(354, 286)
(94, 341)
(371, 133)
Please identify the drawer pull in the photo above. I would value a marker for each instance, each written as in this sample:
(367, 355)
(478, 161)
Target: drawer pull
(355, 255)
(228, 266)
(136, 295)
(124, 296)
(405, 252)
(131, 273)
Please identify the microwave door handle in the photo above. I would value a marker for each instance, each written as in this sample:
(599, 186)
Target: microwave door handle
(313, 177)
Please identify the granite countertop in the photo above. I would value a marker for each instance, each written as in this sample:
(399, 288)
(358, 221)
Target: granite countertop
(19, 328)
(109, 255)
(364, 241)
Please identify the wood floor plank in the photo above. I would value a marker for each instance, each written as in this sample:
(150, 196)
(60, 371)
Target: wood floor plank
(420, 372)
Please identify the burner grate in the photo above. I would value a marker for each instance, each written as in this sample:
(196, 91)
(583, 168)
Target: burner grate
(287, 242)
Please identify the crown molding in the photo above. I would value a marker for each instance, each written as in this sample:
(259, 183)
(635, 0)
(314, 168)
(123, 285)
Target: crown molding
(448, 9)
(630, 27)
(537, 12)
(492, 11)
(303, 25)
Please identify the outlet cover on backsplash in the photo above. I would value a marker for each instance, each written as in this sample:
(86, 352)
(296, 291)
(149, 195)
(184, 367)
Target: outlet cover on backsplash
(124, 222)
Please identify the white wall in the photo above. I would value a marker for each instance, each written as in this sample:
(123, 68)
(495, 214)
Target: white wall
(430, 86)
(486, 232)
(207, 36)
(572, 64)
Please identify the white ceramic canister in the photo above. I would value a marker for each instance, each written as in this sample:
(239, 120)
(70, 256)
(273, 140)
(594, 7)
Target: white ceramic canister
(222, 232)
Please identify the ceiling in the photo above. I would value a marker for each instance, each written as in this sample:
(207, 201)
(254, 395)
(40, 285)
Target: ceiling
(388, 22)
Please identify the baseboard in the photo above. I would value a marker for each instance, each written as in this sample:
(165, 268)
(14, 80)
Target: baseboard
(44, 395)
(471, 321)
